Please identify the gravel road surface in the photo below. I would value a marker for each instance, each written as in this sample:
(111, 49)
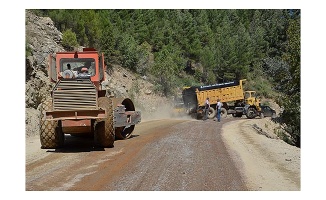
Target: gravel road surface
(163, 155)
(169, 155)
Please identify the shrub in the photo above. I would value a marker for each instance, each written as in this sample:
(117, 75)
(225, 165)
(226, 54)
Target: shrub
(69, 39)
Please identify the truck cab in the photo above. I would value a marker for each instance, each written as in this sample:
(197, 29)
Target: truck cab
(251, 99)
(85, 64)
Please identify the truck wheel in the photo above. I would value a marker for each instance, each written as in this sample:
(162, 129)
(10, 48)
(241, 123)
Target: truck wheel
(51, 135)
(224, 113)
(251, 113)
(196, 115)
(104, 131)
(211, 113)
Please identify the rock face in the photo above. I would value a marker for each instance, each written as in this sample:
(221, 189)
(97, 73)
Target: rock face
(42, 39)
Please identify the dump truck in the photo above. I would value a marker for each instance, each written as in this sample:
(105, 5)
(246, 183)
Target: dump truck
(79, 105)
(234, 99)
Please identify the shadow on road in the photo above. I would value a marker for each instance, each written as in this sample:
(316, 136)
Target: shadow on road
(75, 144)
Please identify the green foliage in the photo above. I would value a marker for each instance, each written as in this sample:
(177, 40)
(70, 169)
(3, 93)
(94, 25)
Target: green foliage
(167, 65)
(198, 75)
(283, 136)
(292, 101)
(211, 77)
(129, 51)
(85, 23)
(107, 42)
(28, 50)
(256, 81)
(69, 39)
(145, 58)
(223, 41)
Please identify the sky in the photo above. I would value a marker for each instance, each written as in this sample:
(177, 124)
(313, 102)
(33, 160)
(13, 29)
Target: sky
(312, 76)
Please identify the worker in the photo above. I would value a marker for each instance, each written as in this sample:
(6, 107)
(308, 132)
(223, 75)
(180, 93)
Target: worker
(207, 106)
(84, 73)
(68, 73)
(218, 108)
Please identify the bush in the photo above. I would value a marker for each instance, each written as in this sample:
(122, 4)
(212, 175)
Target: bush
(283, 136)
(28, 50)
(69, 39)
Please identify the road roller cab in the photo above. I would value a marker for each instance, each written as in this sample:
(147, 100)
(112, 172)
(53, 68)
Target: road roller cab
(78, 104)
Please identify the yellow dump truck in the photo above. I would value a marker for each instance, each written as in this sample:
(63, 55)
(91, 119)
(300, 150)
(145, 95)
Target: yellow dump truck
(235, 100)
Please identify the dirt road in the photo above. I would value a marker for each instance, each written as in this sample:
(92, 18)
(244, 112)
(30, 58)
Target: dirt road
(163, 155)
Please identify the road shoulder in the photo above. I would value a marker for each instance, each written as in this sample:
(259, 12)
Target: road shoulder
(267, 164)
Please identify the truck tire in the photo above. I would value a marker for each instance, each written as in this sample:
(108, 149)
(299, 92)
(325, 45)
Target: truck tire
(51, 135)
(251, 113)
(224, 113)
(104, 134)
(197, 115)
(211, 113)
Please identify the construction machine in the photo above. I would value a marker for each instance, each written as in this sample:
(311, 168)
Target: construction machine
(234, 99)
(79, 105)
